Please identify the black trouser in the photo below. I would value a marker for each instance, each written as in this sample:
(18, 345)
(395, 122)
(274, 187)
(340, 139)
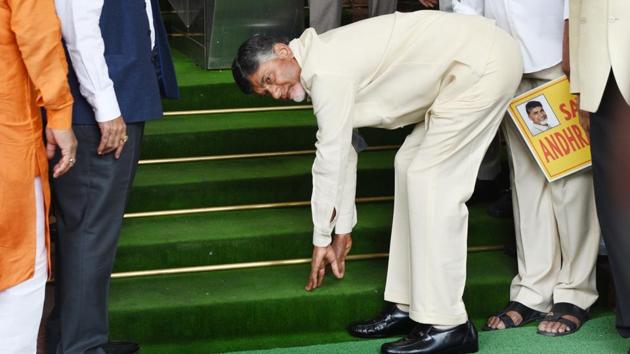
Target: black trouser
(90, 201)
(610, 148)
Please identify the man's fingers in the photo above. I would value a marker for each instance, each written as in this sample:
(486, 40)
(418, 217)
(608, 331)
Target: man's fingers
(330, 258)
(312, 281)
(50, 149)
(342, 268)
(335, 269)
(62, 166)
(113, 135)
(105, 133)
(321, 273)
(119, 150)
(113, 142)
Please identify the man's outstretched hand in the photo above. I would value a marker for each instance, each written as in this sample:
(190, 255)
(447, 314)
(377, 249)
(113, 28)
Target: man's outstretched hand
(321, 257)
(341, 245)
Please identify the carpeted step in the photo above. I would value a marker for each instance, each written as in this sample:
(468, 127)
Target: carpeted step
(240, 133)
(210, 89)
(598, 336)
(231, 307)
(246, 181)
(261, 235)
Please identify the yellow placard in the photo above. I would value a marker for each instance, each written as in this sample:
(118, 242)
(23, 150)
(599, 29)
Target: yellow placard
(547, 118)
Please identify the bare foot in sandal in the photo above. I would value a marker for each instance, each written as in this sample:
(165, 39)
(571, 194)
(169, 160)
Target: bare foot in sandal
(564, 318)
(513, 315)
(495, 322)
(556, 327)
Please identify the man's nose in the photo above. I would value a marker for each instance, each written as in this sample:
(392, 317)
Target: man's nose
(275, 92)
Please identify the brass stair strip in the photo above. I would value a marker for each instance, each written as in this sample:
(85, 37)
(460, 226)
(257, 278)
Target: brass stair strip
(264, 264)
(238, 110)
(248, 156)
(242, 207)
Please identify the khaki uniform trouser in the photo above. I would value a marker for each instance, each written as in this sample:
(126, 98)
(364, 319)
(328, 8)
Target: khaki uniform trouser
(435, 169)
(557, 232)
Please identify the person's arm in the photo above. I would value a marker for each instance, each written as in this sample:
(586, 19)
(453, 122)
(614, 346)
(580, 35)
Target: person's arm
(84, 41)
(333, 99)
(469, 7)
(37, 34)
(86, 48)
(347, 219)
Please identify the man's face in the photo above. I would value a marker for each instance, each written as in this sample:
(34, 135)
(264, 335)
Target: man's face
(279, 77)
(538, 115)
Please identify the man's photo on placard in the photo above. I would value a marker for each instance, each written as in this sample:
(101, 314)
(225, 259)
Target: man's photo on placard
(538, 115)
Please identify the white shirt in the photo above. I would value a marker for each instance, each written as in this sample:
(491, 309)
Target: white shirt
(82, 35)
(538, 25)
(536, 129)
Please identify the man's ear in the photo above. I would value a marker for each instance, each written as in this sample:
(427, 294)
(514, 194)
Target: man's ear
(282, 50)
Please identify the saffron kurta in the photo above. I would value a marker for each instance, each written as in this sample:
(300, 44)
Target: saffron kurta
(33, 74)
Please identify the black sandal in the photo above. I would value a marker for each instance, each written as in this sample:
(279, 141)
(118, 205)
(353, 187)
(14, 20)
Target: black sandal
(563, 309)
(527, 314)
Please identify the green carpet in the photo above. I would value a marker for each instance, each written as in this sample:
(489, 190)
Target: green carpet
(232, 305)
(246, 181)
(238, 133)
(598, 336)
(258, 235)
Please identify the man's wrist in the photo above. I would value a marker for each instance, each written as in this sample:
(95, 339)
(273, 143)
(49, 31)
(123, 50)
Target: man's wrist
(105, 105)
(321, 239)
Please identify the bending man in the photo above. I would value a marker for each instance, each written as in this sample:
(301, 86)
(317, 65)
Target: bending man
(388, 72)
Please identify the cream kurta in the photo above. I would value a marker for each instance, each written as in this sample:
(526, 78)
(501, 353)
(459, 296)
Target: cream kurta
(592, 56)
(449, 75)
(383, 72)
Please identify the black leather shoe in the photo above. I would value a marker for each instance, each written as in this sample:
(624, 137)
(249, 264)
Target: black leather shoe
(121, 348)
(426, 339)
(392, 321)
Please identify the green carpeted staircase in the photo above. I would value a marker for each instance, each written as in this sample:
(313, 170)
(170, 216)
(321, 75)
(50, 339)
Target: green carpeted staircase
(213, 255)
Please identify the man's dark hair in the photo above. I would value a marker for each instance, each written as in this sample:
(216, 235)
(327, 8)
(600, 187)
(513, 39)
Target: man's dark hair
(249, 57)
(531, 105)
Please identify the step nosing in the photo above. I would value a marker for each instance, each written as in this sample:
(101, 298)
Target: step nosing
(242, 207)
(237, 110)
(265, 264)
(248, 155)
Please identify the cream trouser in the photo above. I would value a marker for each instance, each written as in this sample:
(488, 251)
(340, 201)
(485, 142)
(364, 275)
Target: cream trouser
(435, 170)
(557, 232)
(21, 306)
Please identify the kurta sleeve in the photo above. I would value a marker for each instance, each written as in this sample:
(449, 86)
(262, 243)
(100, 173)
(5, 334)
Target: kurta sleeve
(86, 48)
(347, 218)
(333, 99)
(38, 37)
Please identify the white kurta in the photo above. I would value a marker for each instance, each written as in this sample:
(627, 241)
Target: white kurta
(534, 23)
